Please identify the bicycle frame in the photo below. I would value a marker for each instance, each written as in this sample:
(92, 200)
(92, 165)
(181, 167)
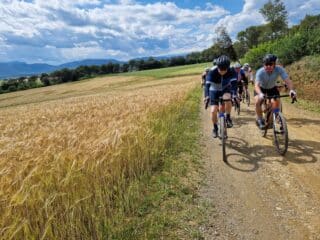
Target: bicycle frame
(222, 128)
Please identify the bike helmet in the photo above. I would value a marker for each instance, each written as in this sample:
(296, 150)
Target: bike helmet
(269, 58)
(246, 65)
(237, 65)
(223, 62)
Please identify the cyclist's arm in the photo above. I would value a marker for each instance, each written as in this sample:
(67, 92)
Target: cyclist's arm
(207, 85)
(257, 87)
(285, 78)
(289, 84)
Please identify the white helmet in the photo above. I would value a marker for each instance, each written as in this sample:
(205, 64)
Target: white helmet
(237, 65)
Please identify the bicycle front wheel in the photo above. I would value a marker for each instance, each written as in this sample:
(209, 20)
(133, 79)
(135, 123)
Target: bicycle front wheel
(223, 136)
(248, 98)
(280, 132)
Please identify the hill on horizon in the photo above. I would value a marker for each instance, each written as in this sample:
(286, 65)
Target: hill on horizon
(18, 69)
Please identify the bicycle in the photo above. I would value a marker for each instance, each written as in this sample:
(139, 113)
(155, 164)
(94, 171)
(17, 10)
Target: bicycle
(276, 121)
(246, 95)
(222, 128)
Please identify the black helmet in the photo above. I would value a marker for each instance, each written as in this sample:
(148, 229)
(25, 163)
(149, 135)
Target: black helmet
(269, 58)
(223, 62)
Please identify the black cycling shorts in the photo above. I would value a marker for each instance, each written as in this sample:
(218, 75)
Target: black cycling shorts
(269, 92)
(215, 95)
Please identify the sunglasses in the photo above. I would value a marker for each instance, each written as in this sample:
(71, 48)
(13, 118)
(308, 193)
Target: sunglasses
(222, 69)
(269, 64)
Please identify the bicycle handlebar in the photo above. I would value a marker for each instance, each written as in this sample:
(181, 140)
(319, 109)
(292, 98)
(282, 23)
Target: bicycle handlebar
(280, 96)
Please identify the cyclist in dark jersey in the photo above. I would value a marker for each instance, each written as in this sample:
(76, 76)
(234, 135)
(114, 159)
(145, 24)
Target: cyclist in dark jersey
(203, 76)
(220, 81)
(266, 83)
(242, 79)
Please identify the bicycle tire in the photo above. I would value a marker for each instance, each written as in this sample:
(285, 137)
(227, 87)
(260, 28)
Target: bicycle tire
(238, 107)
(248, 98)
(223, 135)
(280, 133)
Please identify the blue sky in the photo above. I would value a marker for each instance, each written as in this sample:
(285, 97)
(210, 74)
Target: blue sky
(59, 31)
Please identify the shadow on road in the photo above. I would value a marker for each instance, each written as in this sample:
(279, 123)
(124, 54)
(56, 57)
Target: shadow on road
(249, 158)
(302, 122)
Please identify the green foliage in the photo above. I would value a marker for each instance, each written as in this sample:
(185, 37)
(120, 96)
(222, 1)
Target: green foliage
(302, 41)
(313, 44)
(275, 13)
(254, 56)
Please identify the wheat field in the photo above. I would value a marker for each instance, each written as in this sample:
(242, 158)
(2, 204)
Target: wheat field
(67, 152)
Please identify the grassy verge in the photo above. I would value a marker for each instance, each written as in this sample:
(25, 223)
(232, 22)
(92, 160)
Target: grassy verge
(164, 205)
(171, 71)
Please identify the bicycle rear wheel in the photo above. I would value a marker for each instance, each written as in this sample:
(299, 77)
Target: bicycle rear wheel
(223, 136)
(280, 132)
(248, 98)
(237, 108)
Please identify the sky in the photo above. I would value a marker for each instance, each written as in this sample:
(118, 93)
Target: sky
(60, 31)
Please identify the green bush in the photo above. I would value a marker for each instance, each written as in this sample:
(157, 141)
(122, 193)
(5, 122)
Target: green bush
(313, 45)
(291, 48)
(255, 55)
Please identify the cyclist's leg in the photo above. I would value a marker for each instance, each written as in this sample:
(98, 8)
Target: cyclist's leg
(258, 103)
(240, 90)
(275, 102)
(214, 102)
(228, 107)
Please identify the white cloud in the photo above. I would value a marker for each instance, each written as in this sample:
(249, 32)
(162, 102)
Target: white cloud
(63, 30)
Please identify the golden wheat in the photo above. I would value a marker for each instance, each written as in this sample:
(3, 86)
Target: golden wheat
(63, 162)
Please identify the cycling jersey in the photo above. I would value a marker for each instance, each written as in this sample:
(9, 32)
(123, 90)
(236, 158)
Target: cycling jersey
(242, 77)
(269, 80)
(217, 83)
(248, 73)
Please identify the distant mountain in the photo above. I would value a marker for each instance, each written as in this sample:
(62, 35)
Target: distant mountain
(88, 62)
(16, 69)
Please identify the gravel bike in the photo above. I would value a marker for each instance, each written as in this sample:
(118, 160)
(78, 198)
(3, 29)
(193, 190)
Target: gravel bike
(276, 121)
(222, 128)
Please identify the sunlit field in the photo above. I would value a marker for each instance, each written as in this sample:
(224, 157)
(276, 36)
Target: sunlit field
(68, 151)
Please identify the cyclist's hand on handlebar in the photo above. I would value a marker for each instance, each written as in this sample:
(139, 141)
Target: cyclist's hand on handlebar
(293, 96)
(261, 96)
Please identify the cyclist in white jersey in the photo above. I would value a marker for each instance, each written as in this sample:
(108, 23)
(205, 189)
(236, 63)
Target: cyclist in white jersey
(266, 83)
(248, 72)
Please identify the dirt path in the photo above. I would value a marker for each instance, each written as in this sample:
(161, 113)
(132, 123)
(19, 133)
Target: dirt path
(259, 194)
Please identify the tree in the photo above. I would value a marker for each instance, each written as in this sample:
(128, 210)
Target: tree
(276, 15)
(224, 43)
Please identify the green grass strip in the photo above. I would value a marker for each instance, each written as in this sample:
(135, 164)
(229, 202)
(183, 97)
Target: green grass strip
(163, 205)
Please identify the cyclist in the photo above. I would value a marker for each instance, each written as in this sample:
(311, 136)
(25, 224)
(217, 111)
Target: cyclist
(242, 79)
(220, 81)
(248, 71)
(203, 76)
(266, 78)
